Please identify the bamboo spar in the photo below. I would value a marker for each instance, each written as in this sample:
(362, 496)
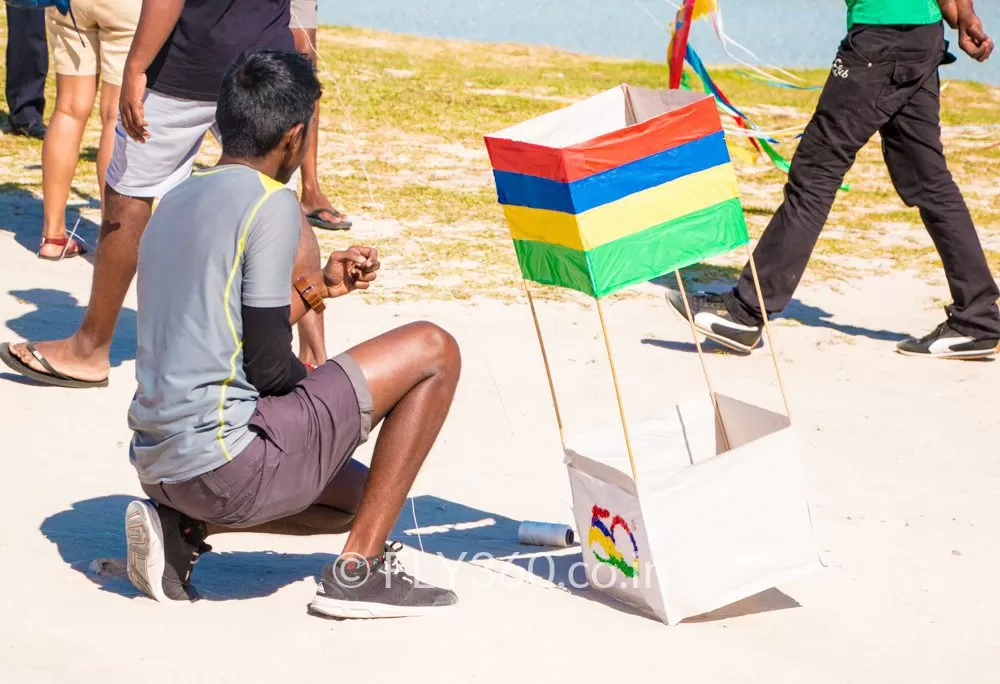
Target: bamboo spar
(767, 331)
(618, 392)
(545, 361)
(704, 366)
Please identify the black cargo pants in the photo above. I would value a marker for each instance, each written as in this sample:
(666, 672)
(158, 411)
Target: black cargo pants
(884, 79)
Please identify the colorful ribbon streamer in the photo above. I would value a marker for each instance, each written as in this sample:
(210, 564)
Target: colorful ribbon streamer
(762, 141)
(679, 43)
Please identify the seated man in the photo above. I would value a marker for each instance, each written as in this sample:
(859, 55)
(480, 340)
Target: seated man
(229, 430)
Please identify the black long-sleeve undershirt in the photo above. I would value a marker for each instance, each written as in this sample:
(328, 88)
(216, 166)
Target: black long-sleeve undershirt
(268, 360)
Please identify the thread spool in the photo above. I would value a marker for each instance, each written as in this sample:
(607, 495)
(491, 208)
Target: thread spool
(544, 534)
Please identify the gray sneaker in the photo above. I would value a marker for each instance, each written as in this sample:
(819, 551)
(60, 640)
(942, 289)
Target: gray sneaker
(712, 319)
(163, 547)
(376, 588)
(946, 343)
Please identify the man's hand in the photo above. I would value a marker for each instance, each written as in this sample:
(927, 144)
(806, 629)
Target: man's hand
(130, 105)
(971, 36)
(156, 21)
(353, 269)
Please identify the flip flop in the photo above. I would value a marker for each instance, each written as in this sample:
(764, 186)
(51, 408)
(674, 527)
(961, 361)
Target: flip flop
(53, 377)
(341, 222)
(71, 248)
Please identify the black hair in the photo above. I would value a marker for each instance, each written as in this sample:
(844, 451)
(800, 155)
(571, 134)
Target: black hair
(264, 93)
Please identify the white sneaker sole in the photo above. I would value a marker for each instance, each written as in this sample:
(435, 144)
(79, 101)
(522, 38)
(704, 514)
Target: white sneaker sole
(360, 610)
(724, 341)
(959, 356)
(145, 549)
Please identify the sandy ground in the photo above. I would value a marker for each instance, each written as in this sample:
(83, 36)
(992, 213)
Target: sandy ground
(901, 456)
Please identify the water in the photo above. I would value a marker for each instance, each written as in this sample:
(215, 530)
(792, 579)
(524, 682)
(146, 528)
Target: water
(799, 33)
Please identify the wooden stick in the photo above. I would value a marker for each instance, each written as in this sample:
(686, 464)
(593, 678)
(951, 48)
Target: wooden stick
(618, 392)
(767, 331)
(545, 360)
(704, 365)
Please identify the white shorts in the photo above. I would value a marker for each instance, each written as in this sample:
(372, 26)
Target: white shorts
(305, 14)
(176, 128)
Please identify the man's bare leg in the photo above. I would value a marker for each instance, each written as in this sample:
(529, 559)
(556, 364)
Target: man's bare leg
(312, 338)
(85, 354)
(313, 197)
(412, 373)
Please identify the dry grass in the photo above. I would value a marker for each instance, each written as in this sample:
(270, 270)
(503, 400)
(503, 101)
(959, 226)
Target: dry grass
(401, 150)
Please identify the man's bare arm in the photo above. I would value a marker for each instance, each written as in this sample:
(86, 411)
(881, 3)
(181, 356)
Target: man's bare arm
(353, 269)
(950, 12)
(156, 22)
(971, 36)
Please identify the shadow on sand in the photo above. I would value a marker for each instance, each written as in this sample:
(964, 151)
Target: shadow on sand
(796, 310)
(459, 533)
(21, 215)
(57, 314)
(90, 537)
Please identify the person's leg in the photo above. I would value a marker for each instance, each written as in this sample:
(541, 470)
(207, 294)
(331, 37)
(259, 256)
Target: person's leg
(849, 112)
(412, 373)
(313, 198)
(27, 66)
(911, 145)
(312, 338)
(138, 172)
(846, 118)
(109, 120)
(60, 152)
(305, 42)
(116, 22)
(85, 354)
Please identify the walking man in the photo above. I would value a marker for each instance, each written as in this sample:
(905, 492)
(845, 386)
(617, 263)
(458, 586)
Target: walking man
(168, 98)
(884, 80)
(229, 432)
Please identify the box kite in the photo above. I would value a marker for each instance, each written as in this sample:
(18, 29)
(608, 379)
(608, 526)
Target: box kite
(616, 190)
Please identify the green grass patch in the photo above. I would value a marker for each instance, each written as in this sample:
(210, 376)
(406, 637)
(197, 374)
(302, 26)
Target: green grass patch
(402, 126)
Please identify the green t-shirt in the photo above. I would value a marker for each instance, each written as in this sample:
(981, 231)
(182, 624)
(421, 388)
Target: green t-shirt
(895, 12)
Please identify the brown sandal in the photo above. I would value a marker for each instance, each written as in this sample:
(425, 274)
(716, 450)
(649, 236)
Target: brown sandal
(71, 248)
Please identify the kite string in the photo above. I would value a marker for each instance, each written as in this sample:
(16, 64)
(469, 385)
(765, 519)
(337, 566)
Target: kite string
(652, 16)
(325, 71)
(726, 40)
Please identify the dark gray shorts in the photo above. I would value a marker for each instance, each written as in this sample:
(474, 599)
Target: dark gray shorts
(303, 439)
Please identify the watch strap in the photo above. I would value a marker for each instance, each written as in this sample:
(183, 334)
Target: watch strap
(310, 295)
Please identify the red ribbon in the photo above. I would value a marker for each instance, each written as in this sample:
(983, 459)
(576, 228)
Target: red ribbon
(678, 44)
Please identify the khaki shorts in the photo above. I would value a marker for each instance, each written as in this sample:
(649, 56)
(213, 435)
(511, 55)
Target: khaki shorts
(106, 28)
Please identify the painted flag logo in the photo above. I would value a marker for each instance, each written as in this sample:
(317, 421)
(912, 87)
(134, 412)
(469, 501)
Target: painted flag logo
(603, 544)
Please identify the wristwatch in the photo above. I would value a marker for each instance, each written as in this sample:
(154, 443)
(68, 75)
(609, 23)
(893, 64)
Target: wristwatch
(310, 295)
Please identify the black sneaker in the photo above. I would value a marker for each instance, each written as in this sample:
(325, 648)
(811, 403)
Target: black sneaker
(945, 343)
(163, 547)
(376, 588)
(712, 319)
(35, 129)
